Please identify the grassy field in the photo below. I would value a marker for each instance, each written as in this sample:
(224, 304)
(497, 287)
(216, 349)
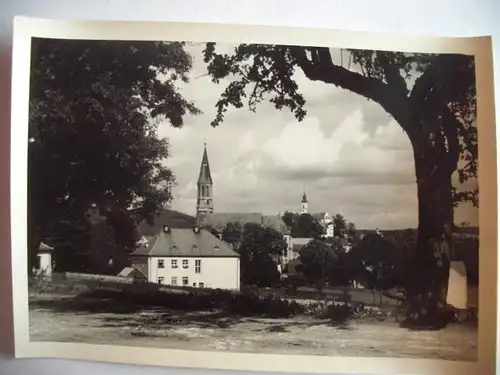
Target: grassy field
(73, 314)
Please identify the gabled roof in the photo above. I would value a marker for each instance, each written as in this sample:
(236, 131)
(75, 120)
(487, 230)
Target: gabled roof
(205, 176)
(182, 242)
(171, 218)
(44, 248)
(128, 271)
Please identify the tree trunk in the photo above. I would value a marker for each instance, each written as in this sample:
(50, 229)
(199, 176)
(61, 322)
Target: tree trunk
(428, 284)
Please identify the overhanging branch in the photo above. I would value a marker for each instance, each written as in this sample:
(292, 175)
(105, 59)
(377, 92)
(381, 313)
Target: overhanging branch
(321, 68)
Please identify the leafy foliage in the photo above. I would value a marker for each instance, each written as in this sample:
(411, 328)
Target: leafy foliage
(437, 112)
(233, 234)
(94, 111)
(303, 225)
(316, 261)
(375, 256)
(260, 248)
(442, 98)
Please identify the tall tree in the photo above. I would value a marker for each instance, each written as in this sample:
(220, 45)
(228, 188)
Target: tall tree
(94, 113)
(437, 113)
(376, 259)
(340, 225)
(260, 249)
(289, 218)
(233, 234)
(317, 260)
(307, 226)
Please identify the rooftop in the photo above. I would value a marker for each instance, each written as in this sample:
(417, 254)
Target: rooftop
(184, 242)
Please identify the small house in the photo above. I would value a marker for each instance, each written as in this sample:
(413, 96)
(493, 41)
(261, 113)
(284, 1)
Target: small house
(132, 273)
(43, 261)
(190, 257)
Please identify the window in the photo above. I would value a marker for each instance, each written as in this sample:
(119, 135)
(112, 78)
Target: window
(185, 281)
(194, 284)
(197, 266)
(174, 263)
(185, 263)
(201, 285)
(161, 263)
(160, 279)
(174, 280)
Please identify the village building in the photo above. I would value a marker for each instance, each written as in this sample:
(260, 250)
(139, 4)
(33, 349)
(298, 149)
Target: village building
(206, 215)
(191, 257)
(43, 261)
(132, 273)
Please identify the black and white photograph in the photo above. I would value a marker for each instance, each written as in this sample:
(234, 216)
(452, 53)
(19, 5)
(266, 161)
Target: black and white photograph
(253, 198)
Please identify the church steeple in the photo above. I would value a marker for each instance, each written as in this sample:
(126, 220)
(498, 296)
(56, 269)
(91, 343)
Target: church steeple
(204, 204)
(303, 204)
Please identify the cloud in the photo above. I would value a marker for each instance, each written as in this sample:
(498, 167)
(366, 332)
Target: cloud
(349, 155)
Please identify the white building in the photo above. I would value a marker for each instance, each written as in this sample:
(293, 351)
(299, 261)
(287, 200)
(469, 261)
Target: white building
(188, 257)
(304, 204)
(326, 221)
(43, 261)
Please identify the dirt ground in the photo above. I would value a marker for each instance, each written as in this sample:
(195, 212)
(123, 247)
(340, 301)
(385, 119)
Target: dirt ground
(216, 331)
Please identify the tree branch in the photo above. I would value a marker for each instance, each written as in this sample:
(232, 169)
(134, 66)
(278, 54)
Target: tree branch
(322, 68)
(392, 75)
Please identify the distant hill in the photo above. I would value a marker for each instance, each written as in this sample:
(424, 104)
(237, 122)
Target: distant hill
(174, 219)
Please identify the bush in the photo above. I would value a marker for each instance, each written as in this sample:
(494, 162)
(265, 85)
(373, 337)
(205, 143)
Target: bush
(246, 304)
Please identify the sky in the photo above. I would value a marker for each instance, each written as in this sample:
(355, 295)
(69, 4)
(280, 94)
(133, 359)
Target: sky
(348, 155)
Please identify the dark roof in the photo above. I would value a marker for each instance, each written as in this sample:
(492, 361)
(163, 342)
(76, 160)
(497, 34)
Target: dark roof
(44, 248)
(181, 242)
(130, 271)
(219, 220)
(205, 176)
(171, 218)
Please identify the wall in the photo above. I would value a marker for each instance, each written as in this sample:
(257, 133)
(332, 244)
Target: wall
(141, 264)
(45, 262)
(220, 273)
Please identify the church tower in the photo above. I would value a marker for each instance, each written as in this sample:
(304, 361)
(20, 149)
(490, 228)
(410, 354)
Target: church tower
(303, 205)
(204, 202)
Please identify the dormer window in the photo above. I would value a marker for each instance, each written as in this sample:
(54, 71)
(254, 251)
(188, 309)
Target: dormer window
(196, 229)
(216, 248)
(166, 229)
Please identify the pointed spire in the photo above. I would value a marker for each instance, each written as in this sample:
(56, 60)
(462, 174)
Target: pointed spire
(205, 176)
(304, 197)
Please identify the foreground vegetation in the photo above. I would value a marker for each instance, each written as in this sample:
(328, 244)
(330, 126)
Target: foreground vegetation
(114, 296)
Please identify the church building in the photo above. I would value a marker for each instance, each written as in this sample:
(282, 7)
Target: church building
(322, 217)
(206, 215)
(204, 202)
